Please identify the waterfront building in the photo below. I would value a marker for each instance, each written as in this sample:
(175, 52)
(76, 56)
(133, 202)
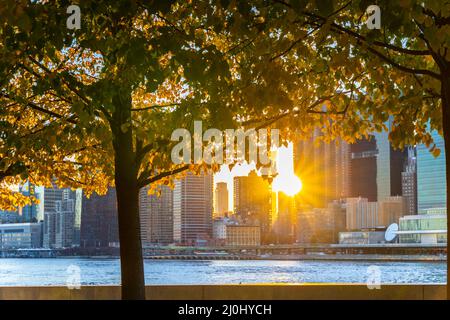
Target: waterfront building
(361, 214)
(321, 225)
(20, 235)
(99, 224)
(436, 211)
(362, 237)
(243, 235)
(156, 214)
(230, 232)
(252, 201)
(409, 182)
(220, 229)
(60, 218)
(221, 199)
(192, 209)
(427, 228)
(431, 183)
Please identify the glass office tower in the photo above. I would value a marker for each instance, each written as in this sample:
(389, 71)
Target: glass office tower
(390, 164)
(28, 213)
(431, 186)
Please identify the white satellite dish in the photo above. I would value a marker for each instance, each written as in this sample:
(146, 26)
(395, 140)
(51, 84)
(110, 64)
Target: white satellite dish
(391, 232)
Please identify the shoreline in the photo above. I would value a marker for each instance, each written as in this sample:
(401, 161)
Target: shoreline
(310, 257)
(362, 257)
(367, 257)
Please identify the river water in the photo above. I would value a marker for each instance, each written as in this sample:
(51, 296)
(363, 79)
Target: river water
(94, 271)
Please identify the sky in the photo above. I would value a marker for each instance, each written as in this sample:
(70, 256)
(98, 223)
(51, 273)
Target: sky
(286, 180)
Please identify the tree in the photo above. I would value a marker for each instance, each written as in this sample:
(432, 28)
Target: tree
(96, 106)
(114, 90)
(335, 73)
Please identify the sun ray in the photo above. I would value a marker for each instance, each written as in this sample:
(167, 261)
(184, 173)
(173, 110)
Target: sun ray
(286, 181)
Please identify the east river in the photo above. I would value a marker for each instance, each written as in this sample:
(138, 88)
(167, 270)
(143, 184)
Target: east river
(96, 271)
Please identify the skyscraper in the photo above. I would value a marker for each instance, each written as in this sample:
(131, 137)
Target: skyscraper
(99, 224)
(28, 212)
(363, 180)
(390, 163)
(252, 201)
(409, 182)
(431, 183)
(221, 199)
(342, 169)
(59, 218)
(369, 168)
(156, 213)
(324, 169)
(285, 225)
(77, 218)
(383, 164)
(192, 208)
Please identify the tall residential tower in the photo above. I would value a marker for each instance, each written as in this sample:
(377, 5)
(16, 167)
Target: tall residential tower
(221, 199)
(156, 213)
(192, 209)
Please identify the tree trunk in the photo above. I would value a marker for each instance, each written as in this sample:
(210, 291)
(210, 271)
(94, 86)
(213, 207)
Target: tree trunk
(445, 92)
(127, 192)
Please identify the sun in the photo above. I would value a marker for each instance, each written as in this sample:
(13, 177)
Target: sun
(286, 181)
(288, 184)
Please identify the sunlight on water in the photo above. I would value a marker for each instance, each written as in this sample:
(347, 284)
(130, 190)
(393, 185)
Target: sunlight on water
(29, 272)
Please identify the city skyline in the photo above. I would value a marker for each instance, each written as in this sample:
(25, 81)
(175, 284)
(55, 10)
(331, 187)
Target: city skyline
(133, 94)
(332, 170)
(284, 155)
